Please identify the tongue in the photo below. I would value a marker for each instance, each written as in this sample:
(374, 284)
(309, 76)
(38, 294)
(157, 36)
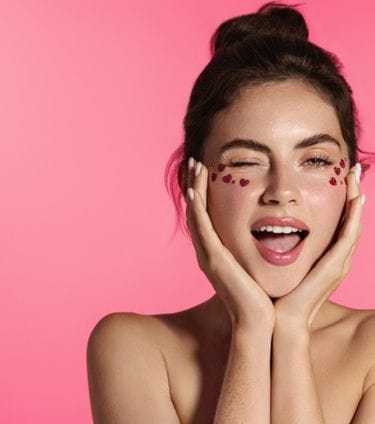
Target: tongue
(280, 242)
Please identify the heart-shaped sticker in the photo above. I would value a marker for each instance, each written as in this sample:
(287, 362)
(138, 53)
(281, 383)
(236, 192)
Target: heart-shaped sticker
(333, 181)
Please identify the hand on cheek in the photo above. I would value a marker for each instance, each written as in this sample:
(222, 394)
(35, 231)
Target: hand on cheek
(304, 302)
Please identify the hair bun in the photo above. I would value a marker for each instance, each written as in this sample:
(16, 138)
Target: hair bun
(272, 19)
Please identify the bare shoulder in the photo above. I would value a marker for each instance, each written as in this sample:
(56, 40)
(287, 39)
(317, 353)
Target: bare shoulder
(126, 370)
(158, 329)
(364, 335)
(123, 324)
(365, 339)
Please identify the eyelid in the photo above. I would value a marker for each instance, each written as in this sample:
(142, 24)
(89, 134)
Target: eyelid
(245, 162)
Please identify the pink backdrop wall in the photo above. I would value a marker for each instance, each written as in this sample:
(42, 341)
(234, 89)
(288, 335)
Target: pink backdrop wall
(92, 97)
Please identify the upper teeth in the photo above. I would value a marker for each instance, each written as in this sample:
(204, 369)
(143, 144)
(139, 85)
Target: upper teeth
(278, 229)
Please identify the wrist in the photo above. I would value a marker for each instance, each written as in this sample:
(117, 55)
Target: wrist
(258, 331)
(291, 334)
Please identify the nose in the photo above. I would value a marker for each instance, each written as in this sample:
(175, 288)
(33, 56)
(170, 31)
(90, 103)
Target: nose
(281, 188)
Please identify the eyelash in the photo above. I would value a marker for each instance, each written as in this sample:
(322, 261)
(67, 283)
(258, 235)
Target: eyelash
(324, 161)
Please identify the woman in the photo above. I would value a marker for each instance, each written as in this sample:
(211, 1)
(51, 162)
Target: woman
(270, 177)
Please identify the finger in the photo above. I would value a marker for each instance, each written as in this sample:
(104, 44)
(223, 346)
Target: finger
(189, 218)
(353, 190)
(353, 178)
(352, 228)
(190, 176)
(198, 221)
(200, 182)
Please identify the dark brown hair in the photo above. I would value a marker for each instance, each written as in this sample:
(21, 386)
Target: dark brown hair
(267, 46)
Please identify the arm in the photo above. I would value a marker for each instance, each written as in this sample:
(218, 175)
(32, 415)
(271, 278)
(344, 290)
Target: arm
(245, 393)
(294, 397)
(127, 377)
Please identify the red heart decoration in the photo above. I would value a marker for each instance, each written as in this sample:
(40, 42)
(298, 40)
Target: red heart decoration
(227, 178)
(342, 163)
(221, 167)
(337, 170)
(244, 182)
(333, 181)
(213, 176)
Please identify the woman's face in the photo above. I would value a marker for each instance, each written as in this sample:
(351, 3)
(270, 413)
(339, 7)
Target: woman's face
(292, 164)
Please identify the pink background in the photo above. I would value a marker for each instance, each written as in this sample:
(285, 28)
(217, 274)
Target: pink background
(92, 97)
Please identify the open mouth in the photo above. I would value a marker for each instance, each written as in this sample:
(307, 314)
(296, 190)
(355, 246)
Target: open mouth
(283, 241)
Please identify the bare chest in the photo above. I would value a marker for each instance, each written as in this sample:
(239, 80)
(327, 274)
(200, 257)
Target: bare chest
(196, 378)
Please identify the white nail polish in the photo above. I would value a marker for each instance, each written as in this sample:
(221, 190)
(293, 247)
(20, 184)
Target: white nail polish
(198, 169)
(190, 193)
(358, 170)
(363, 199)
(190, 163)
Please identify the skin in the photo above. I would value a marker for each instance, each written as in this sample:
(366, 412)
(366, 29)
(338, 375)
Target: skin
(283, 183)
(332, 346)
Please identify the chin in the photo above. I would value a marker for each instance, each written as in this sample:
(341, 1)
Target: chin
(278, 281)
(281, 286)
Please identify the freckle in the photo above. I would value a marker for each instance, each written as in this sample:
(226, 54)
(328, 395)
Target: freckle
(333, 181)
(337, 170)
(221, 167)
(342, 163)
(227, 178)
(233, 182)
(213, 176)
(340, 182)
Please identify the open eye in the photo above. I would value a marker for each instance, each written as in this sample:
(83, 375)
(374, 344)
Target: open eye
(318, 161)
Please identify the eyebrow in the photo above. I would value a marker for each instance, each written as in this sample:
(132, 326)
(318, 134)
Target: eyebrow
(252, 144)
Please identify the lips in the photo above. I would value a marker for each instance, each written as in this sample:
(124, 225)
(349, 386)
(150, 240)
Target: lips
(282, 222)
(281, 248)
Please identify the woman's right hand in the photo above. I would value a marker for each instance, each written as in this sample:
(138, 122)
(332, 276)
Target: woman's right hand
(246, 302)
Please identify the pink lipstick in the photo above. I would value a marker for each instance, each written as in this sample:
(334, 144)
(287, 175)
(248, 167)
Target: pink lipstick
(279, 240)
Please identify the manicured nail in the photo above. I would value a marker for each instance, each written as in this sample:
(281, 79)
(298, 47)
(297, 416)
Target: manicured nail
(190, 193)
(363, 199)
(190, 163)
(198, 168)
(358, 170)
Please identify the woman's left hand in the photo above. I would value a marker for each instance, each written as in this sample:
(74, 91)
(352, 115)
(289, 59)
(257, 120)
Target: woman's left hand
(299, 307)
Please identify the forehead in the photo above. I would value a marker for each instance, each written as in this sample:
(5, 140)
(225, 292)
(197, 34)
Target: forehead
(279, 114)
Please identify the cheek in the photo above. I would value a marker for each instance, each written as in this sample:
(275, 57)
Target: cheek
(230, 195)
(325, 198)
(232, 191)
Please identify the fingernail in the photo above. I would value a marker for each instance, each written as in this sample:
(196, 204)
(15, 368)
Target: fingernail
(363, 199)
(190, 193)
(198, 168)
(358, 170)
(190, 163)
